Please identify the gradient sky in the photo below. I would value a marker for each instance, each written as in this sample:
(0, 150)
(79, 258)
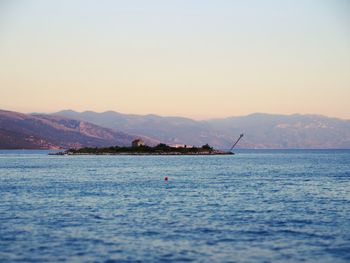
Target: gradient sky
(198, 59)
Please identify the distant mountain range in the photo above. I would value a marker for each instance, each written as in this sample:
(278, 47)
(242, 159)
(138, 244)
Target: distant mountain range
(67, 129)
(39, 131)
(260, 130)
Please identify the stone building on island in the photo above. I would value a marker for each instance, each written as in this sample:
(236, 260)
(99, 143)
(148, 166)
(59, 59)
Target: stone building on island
(137, 143)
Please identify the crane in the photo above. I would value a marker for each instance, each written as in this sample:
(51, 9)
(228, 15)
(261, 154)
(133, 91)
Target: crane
(233, 146)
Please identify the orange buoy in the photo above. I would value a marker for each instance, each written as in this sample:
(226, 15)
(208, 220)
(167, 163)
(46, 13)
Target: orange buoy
(166, 178)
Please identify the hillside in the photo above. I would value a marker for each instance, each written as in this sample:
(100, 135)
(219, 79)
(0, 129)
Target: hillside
(23, 131)
(67, 129)
(261, 130)
(287, 131)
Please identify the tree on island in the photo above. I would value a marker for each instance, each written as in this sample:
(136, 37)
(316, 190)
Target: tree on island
(207, 147)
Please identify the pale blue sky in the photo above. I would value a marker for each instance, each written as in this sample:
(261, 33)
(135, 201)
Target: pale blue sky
(199, 59)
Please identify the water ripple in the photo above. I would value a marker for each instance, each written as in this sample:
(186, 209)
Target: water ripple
(252, 207)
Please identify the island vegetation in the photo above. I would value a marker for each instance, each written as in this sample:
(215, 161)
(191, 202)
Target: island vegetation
(160, 149)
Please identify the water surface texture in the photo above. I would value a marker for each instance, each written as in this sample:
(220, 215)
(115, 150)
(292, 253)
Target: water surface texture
(255, 206)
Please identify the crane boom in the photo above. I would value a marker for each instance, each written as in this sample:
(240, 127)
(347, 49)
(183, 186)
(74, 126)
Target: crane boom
(233, 146)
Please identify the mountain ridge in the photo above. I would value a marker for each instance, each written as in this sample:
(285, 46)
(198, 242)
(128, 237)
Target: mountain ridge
(64, 112)
(41, 131)
(262, 130)
(71, 129)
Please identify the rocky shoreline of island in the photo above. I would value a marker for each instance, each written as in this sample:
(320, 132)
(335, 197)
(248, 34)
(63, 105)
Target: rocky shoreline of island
(160, 149)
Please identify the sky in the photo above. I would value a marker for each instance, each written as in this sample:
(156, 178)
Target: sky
(194, 58)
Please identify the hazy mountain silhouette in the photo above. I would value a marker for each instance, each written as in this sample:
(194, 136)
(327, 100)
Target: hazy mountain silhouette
(165, 129)
(66, 129)
(40, 131)
(261, 130)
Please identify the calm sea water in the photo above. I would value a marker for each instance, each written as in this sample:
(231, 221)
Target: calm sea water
(256, 206)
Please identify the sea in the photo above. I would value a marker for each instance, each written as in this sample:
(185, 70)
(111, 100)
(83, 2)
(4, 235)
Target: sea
(254, 206)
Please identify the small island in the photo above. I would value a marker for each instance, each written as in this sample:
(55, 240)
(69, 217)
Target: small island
(141, 149)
